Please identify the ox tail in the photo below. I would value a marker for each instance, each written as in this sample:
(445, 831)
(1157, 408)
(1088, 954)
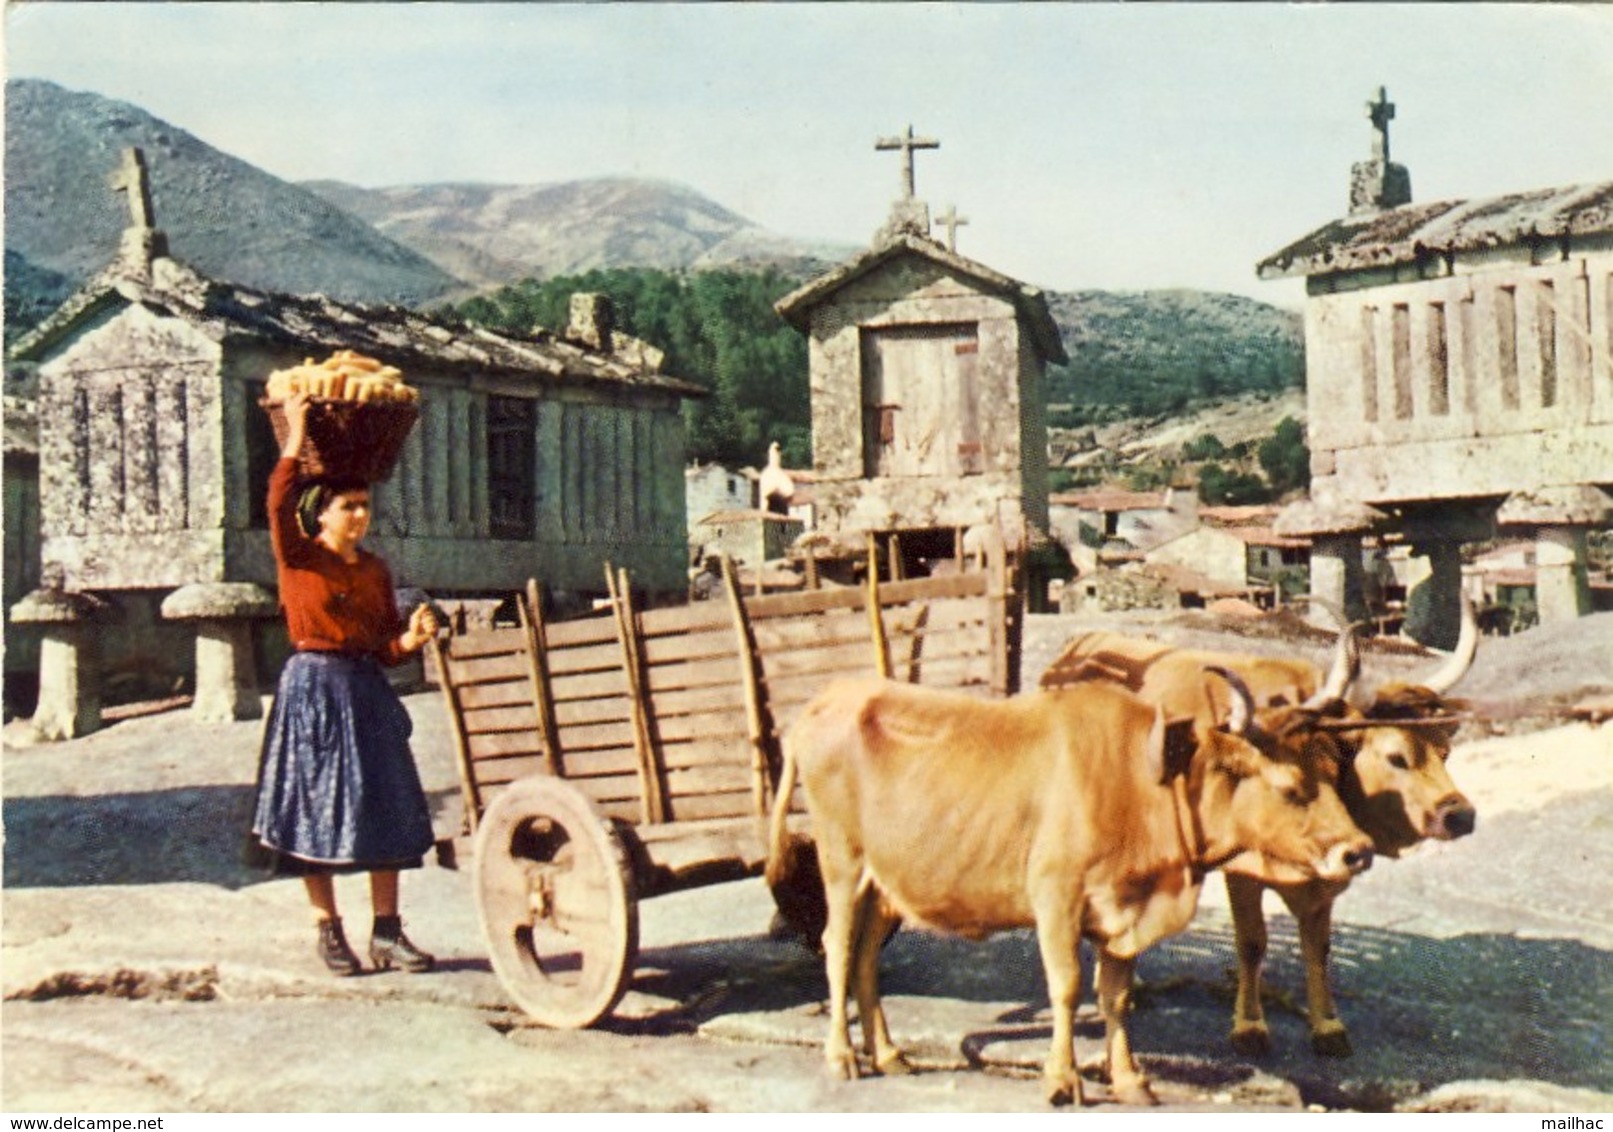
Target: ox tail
(778, 855)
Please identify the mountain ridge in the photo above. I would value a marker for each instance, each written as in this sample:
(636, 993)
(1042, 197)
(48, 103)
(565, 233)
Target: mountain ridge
(222, 215)
(492, 233)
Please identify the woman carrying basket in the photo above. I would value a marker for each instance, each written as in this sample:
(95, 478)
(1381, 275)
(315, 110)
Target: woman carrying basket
(338, 791)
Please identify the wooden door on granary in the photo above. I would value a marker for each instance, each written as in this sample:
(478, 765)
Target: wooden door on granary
(921, 401)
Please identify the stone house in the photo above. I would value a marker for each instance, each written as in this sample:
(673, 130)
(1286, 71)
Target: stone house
(750, 537)
(927, 396)
(725, 515)
(1140, 519)
(1242, 557)
(708, 488)
(1459, 379)
(538, 454)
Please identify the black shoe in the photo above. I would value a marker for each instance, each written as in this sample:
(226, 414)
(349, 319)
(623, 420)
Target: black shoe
(333, 949)
(389, 948)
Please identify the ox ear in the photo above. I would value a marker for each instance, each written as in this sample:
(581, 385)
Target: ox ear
(1171, 744)
(1323, 751)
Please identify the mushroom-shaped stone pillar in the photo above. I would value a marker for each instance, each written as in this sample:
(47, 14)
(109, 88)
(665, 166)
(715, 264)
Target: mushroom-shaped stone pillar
(69, 660)
(1560, 518)
(226, 678)
(1335, 531)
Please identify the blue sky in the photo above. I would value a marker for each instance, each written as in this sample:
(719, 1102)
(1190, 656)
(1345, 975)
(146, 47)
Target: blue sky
(1089, 145)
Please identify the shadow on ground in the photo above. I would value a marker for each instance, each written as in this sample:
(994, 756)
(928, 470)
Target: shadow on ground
(1422, 1011)
(193, 834)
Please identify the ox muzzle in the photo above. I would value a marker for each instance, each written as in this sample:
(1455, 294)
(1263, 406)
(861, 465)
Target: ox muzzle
(1351, 859)
(1454, 817)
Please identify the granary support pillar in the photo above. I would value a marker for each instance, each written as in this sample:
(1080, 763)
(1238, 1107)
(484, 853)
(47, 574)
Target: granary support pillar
(1434, 605)
(1560, 518)
(1335, 532)
(226, 678)
(69, 660)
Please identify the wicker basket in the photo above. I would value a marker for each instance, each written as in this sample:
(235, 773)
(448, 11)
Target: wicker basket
(358, 440)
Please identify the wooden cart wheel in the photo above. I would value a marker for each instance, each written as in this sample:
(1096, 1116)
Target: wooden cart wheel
(555, 892)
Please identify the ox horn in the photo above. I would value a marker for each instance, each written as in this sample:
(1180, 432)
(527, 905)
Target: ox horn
(1449, 672)
(1243, 701)
(1346, 658)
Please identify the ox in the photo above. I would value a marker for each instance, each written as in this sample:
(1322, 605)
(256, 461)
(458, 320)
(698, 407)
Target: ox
(1394, 782)
(1078, 812)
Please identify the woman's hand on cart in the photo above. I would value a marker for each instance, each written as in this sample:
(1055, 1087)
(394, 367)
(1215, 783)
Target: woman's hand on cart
(423, 626)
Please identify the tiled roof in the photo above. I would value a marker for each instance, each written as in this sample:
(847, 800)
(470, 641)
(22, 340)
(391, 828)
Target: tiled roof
(796, 307)
(1417, 231)
(1109, 499)
(315, 324)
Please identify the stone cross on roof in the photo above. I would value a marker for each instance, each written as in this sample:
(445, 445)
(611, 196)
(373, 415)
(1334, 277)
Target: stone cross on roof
(1381, 112)
(907, 143)
(131, 178)
(951, 221)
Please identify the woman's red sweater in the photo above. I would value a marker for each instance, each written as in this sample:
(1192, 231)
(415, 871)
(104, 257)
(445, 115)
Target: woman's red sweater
(331, 605)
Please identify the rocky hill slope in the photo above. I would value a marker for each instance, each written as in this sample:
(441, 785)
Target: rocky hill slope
(495, 234)
(222, 215)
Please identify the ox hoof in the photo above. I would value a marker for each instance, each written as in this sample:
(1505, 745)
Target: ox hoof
(1135, 1092)
(1064, 1090)
(1331, 1043)
(893, 1064)
(1252, 1041)
(843, 1066)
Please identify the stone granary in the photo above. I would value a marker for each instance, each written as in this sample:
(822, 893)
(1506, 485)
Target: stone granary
(536, 454)
(21, 574)
(926, 373)
(1459, 378)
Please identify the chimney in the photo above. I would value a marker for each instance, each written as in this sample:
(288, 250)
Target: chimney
(593, 320)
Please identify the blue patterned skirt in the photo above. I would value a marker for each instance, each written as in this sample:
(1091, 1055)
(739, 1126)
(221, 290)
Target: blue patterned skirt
(337, 785)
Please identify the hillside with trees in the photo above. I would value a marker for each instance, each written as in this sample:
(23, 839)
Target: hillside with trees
(1149, 352)
(1134, 358)
(718, 329)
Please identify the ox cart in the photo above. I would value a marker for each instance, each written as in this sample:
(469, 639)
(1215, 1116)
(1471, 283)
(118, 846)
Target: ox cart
(612, 758)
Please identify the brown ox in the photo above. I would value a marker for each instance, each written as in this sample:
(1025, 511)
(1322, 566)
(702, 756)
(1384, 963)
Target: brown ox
(1394, 782)
(1077, 812)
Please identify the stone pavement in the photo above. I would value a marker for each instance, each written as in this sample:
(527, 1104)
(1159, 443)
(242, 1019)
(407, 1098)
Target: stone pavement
(145, 968)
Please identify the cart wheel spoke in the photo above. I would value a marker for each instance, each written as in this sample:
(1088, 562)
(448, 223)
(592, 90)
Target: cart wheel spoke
(557, 903)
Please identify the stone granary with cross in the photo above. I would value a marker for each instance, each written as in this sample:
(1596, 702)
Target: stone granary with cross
(927, 390)
(1459, 379)
(541, 454)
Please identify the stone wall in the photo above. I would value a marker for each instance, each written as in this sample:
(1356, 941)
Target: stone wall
(1217, 555)
(1112, 591)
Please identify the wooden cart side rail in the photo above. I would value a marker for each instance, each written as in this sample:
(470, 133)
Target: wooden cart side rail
(700, 715)
(598, 628)
(765, 757)
(675, 713)
(644, 745)
(469, 792)
(535, 628)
